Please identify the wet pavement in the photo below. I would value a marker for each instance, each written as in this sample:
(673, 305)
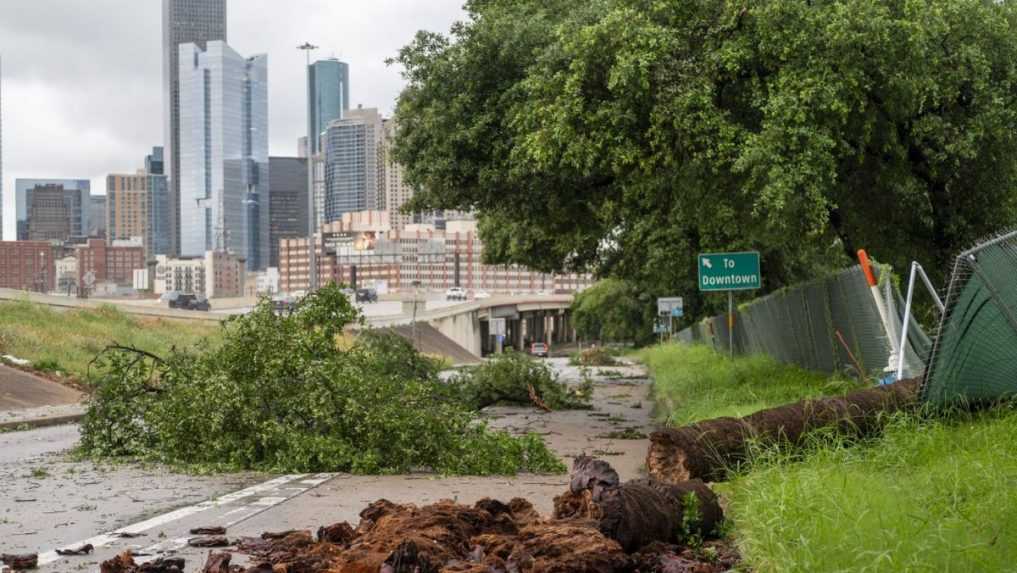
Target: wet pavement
(77, 502)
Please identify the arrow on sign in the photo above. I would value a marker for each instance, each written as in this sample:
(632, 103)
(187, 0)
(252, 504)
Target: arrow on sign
(708, 263)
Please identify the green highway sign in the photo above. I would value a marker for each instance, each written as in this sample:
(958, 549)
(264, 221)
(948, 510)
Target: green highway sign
(729, 271)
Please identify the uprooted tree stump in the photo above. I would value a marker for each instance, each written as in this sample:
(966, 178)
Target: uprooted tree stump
(639, 512)
(707, 450)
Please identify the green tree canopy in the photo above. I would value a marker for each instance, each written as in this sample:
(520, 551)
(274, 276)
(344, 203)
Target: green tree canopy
(626, 136)
(613, 311)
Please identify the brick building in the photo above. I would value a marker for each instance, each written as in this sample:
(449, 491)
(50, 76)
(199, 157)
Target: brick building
(28, 265)
(109, 264)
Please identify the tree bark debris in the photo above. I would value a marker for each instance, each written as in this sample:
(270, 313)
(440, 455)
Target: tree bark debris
(708, 450)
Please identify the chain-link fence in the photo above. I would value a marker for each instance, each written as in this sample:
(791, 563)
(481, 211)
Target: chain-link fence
(975, 354)
(828, 325)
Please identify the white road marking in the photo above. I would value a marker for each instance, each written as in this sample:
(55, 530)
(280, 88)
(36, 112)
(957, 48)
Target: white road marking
(256, 507)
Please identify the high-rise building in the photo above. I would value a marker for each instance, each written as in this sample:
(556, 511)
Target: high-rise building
(184, 22)
(59, 207)
(223, 153)
(330, 97)
(354, 170)
(138, 206)
(397, 192)
(287, 192)
(97, 217)
(161, 206)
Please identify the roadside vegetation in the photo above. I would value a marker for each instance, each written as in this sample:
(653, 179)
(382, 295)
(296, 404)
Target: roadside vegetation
(517, 379)
(66, 342)
(596, 356)
(929, 493)
(293, 394)
(693, 383)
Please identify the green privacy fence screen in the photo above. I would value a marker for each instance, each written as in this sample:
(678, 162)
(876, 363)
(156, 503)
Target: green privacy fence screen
(974, 358)
(800, 326)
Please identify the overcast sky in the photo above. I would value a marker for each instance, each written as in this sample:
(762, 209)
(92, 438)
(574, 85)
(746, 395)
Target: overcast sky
(82, 79)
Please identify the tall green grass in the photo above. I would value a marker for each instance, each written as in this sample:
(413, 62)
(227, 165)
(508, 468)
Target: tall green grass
(929, 495)
(67, 341)
(693, 383)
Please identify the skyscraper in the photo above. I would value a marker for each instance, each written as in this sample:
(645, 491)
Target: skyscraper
(354, 170)
(76, 206)
(397, 191)
(184, 22)
(287, 202)
(330, 96)
(223, 153)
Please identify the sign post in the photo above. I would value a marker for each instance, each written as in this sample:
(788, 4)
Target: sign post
(668, 309)
(729, 272)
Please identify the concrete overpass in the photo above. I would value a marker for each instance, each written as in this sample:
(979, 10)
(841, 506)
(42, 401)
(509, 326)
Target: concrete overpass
(528, 319)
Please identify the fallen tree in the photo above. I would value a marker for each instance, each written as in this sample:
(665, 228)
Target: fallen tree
(708, 450)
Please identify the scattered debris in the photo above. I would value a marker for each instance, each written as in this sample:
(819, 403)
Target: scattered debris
(626, 434)
(126, 534)
(600, 526)
(214, 530)
(209, 541)
(707, 450)
(124, 563)
(82, 550)
(20, 562)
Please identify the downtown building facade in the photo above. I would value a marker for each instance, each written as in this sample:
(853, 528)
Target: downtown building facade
(184, 22)
(329, 92)
(418, 255)
(52, 209)
(29, 265)
(287, 202)
(354, 173)
(138, 206)
(223, 153)
(216, 274)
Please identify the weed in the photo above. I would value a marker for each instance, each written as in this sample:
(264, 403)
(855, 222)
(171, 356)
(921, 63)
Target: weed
(691, 533)
(507, 379)
(39, 473)
(596, 356)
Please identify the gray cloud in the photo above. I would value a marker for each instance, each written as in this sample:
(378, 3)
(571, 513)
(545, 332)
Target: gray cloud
(82, 79)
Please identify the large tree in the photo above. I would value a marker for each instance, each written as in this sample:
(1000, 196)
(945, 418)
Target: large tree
(625, 136)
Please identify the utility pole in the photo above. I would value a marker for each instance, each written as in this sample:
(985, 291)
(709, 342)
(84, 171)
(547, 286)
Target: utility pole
(312, 259)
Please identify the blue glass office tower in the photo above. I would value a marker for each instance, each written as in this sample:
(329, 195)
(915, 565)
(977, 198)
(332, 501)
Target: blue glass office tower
(160, 213)
(223, 153)
(330, 97)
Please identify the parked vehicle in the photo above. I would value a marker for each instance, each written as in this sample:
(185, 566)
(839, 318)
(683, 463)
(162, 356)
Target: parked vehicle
(455, 293)
(189, 302)
(481, 295)
(539, 349)
(367, 295)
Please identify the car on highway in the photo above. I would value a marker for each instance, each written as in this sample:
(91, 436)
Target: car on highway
(539, 349)
(182, 301)
(367, 295)
(481, 295)
(455, 293)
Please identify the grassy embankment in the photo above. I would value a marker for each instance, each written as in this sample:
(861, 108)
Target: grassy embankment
(67, 341)
(927, 495)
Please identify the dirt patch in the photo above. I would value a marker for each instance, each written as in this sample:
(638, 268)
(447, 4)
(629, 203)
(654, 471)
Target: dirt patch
(600, 526)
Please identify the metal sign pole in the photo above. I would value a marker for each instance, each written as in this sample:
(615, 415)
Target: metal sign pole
(730, 322)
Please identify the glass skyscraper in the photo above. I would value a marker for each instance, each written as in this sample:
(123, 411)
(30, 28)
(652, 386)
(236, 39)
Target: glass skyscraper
(184, 22)
(330, 96)
(223, 153)
(160, 213)
(354, 171)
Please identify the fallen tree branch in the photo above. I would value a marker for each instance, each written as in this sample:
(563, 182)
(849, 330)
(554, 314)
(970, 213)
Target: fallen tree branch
(708, 450)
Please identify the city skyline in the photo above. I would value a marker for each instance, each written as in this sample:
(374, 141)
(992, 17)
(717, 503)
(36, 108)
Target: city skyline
(80, 104)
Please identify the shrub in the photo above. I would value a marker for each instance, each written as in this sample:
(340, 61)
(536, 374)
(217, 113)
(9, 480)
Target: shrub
(595, 356)
(507, 379)
(279, 394)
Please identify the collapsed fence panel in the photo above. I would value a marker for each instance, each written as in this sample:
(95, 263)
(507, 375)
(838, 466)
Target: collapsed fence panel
(825, 325)
(974, 358)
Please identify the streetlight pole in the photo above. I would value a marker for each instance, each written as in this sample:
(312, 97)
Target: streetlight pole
(312, 259)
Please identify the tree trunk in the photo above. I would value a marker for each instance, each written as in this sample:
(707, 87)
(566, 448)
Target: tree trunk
(707, 450)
